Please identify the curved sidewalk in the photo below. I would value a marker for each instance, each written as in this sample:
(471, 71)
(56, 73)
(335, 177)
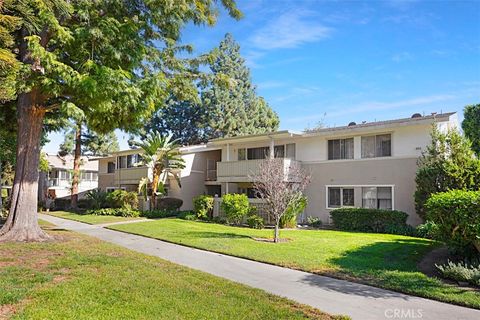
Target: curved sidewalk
(327, 294)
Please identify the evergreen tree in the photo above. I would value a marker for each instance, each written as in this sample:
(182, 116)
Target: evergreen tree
(234, 108)
(471, 126)
(448, 163)
(92, 143)
(110, 60)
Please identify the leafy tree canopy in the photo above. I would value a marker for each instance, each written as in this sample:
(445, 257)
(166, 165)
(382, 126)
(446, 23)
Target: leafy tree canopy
(471, 125)
(93, 144)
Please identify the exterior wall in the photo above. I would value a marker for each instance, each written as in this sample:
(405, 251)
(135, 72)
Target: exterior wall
(400, 173)
(105, 180)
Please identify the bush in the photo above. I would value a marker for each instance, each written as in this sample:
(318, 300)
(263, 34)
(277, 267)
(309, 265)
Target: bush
(461, 272)
(62, 204)
(235, 206)
(404, 230)
(153, 214)
(427, 230)
(119, 212)
(187, 215)
(369, 220)
(84, 204)
(289, 218)
(203, 206)
(255, 222)
(457, 215)
(98, 199)
(169, 204)
(220, 220)
(122, 199)
(314, 222)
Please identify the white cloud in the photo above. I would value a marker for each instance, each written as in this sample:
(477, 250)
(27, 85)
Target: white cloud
(290, 30)
(402, 56)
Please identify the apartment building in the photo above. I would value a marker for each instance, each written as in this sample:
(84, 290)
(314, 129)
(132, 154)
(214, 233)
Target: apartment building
(369, 165)
(57, 182)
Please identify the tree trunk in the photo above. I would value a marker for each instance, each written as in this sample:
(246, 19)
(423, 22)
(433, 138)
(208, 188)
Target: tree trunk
(275, 237)
(1, 202)
(22, 221)
(156, 178)
(76, 166)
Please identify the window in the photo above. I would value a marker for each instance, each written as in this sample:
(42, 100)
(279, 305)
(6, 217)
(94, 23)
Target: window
(121, 162)
(340, 149)
(258, 153)
(94, 176)
(377, 198)
(340, 197)
(111, 167)
(290, 148)
(377, 146)
(65, 175)
(242, 154)
(279, 151)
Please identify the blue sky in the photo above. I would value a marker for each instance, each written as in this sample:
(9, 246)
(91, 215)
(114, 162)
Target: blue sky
(345, 61)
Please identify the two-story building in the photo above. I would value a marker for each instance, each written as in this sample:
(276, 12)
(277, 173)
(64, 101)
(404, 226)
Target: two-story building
(369, 165)
(57, 182)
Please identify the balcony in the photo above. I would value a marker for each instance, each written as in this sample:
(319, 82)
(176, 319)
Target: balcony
(240, 171)
(130, 175)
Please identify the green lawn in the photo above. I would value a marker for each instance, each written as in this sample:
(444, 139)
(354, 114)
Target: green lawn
(79, 277)
(89, 218)
(382, 260)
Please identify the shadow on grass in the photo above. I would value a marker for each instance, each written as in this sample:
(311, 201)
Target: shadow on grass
(225, 235)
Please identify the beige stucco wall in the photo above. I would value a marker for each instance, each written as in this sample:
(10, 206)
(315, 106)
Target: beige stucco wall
(105, 180)
(397, 172)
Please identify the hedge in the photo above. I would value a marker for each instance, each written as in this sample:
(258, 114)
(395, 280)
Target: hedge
(370, 220)
(457, 215)
(203, 206)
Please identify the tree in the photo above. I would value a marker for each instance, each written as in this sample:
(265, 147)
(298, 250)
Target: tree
(471, 126)
(448, 163)
(92, 143)
(162, 155)
(112, 60)
(280, 187)
(234, 109)
(185, 120)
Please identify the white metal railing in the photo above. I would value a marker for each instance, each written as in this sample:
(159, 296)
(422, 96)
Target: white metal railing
(246, 168)
(58, 182)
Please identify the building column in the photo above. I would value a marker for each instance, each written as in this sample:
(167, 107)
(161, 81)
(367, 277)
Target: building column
(272, 148)
(228, 151)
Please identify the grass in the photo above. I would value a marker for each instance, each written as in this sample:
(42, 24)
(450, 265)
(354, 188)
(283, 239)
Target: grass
(382, 260)
(80, 277)
(90, 218)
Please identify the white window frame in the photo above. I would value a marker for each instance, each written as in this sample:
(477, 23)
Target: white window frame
(375, 135)
(341, 197)
(357, 186)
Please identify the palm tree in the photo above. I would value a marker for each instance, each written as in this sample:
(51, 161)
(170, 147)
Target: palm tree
(162, 155)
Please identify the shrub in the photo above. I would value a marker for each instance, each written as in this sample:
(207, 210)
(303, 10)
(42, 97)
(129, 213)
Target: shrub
(153, 214)
(84, 204)
(368, 220)
(255, 222)
(122, 199)
(220, 220)
(98, 199)
(461, 272)
(187, 215)
(119, 212)
(427, 230)
(404, 230)
(289, 218)
(62, 204)
(235, 206)
(203, 206)
(169, 204)
(457, 215)
(314, 222)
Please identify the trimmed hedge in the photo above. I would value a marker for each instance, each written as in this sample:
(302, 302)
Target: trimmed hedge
(169, 204)
(156, 214)
(119, 212)
(457, 216)
(369, 220)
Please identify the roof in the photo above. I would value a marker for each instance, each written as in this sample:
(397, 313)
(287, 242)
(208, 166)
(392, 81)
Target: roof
(386, 123)
(66, 162)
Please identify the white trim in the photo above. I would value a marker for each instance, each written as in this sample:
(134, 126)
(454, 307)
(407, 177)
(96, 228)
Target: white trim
(341, 197)
(360, 159)
(357, 186)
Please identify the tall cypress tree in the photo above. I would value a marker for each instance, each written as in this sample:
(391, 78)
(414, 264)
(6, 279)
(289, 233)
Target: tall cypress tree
(234, 108)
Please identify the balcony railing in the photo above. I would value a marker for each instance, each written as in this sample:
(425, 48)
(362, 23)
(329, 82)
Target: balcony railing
(57, 182)
(241, 171)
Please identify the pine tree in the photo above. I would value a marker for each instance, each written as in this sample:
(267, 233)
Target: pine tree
(234, 108)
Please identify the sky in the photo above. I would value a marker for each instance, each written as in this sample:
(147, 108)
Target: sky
(340, 61)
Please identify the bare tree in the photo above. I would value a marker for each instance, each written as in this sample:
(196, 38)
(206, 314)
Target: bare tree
(279, 184)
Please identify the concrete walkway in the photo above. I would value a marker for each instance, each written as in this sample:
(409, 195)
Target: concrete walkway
(330, 295)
